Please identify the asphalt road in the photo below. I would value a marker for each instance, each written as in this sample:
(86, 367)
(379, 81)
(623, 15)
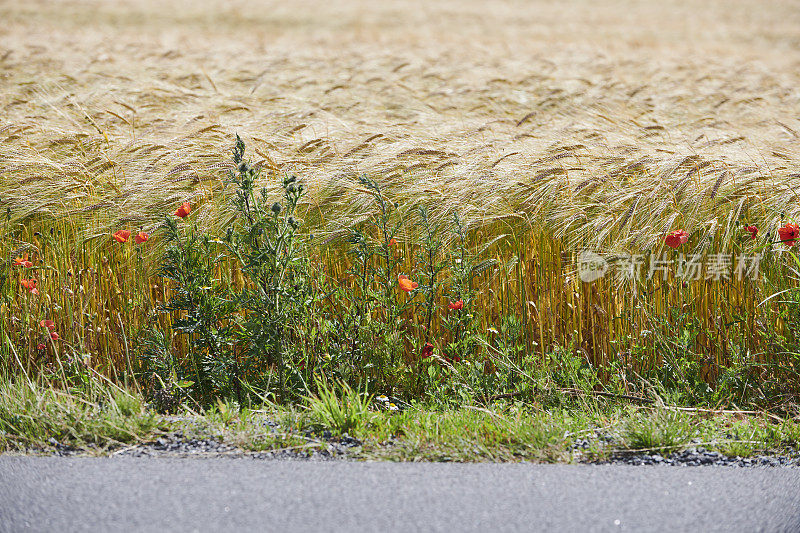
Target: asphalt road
(127, 494)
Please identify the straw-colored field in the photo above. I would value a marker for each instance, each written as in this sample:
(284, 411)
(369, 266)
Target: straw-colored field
(563, 124)
(499, 108)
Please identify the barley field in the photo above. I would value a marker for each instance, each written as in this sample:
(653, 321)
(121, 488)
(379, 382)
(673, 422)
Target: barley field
(554, 126)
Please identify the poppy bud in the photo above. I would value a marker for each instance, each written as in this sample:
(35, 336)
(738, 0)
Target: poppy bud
(291, 188)
(276, 208)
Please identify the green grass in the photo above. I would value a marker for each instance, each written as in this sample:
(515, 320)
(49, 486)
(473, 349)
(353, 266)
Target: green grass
(106, 419)
(346, 412)
(664, 431)
(101, 419)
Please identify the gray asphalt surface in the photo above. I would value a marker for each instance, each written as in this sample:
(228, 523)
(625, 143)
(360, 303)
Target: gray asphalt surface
(127, 494)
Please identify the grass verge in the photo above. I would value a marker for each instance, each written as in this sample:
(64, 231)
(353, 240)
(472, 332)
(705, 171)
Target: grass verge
(106, 420)
(99, 419)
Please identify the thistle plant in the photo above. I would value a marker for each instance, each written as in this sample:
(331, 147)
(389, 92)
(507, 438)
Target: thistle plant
(460, 319)
(375, 249)
(362, 298)
(430, 263)
(201, 306)
(385, 224)
(265, 242)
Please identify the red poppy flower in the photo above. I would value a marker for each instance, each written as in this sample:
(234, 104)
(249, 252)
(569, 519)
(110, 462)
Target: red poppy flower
(49, 324)
(141, 237)
(121, 236)
(23, 261)
(753, 230)
(676, 238)
(54, 336)
(406, 284)
(789, 234)
(456, 305)
(29, 284)
(393, 242)
(427, 350)
(184, 210)
(41, 346)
